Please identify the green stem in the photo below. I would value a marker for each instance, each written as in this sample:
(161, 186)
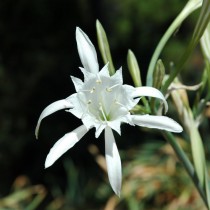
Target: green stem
(186, 163)
(188, 9)
(200, 27)
(146, 104)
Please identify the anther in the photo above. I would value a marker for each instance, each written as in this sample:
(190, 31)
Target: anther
(93, 89)
(109, 89)
(118, 103)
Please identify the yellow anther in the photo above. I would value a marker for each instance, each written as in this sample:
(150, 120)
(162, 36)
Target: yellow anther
(93, 89)
(108, 89)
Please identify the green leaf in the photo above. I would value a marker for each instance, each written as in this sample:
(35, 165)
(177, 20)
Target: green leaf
(207, 187)
(187, 164)
(200, 27)
(205, 46)
(205, 43)
(191, 6)
(199, 160)
(197, 153)
(104, 46)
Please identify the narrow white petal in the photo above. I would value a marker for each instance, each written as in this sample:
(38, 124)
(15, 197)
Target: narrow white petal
(99, 129)
(113, 161)
(87, 52)
(64, 144)
(118, 76)
(104, 71)
(78, 83)
(50, 109)
(159, 122)
(87, 75)
(115, 125)
(150, 92)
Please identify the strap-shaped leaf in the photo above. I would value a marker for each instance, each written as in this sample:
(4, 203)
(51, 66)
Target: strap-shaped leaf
(191, 6)
(200, 27)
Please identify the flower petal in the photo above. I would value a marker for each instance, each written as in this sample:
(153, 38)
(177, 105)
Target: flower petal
(151, 92)
(115, 125)
(159, 122)
(78, 83)
(64, 144)
(118, 76)
(104, 72)
(126, 97)
(113, 161)
(99, 129)
(50, 109)
(87, 52)
(87, 75)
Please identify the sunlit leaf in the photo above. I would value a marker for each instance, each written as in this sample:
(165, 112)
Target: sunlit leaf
(207, 186)
(200, 27)
(191, 6)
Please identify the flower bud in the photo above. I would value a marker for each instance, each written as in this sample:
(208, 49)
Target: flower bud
(158, 74)
(104, 47)
(134, 68)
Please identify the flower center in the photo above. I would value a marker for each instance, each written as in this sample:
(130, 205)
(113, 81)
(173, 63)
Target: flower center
(101, 99)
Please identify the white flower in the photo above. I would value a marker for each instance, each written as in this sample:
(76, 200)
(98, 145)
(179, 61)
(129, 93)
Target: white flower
(103, 102)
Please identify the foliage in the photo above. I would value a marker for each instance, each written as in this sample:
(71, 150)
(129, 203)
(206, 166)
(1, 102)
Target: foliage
(153, 179)
(38, 52)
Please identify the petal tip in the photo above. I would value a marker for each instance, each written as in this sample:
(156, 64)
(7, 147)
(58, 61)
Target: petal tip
(47, 163)
(179, 128)
(36, 132)
(78, 30)
(117, 192)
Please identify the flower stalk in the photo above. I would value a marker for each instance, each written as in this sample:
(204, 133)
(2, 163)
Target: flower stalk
(187, 164)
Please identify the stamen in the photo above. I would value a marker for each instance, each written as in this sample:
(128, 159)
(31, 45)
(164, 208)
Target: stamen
(110, 88)
(98, 78)
(98, 81)
(117, 102)
(84, 90)
(102, 111)
(89, 102)
(91, 90)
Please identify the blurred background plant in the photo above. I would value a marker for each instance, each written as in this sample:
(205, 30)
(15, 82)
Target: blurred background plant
(37, 55)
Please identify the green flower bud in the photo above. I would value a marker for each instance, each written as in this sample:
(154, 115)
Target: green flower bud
(134, 68)
(158, 74)
(104, 47)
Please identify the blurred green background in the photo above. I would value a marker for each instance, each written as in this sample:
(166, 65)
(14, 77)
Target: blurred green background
(38, 54)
